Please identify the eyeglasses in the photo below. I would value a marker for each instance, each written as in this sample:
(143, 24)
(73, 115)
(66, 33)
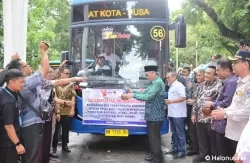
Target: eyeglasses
(67, 73)
(25, 65)
(237, 61)
(167, 77)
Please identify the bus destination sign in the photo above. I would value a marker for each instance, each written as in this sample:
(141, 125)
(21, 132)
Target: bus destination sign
(120, 10)
(142, 12)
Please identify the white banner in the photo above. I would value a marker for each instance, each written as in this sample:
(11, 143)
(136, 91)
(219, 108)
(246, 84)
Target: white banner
(15, 14)
(105, 107)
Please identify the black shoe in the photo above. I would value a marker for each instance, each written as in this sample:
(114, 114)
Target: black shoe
(189, 149)
(191, 153)
(54, 149)
(199, 159)
(179, 155)
(171, 152)
(148, 158)
(53, 155)
(66, 149)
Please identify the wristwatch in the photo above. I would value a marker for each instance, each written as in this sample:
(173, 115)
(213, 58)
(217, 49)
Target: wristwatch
(58, 113)
(225, 115)
(18, 143)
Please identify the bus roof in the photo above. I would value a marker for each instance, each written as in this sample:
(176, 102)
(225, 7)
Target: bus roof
(76, 61)
(75, 2)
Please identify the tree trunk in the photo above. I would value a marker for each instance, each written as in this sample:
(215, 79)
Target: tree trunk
(226, 32)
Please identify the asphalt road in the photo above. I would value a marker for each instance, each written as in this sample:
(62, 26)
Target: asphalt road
(87, 148)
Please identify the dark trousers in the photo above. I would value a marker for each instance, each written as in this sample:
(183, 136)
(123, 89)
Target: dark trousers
(8, 155)
(65, 123)
(187, 123)
(221, 145)
(193, 137)
(33, 143)
(232, 147)
(204, 133)
(192, 131)
(47, 141)
(154, 137)
(178, 133)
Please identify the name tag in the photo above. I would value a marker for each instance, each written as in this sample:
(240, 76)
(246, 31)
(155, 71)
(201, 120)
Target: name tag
(239, 93)
(20, 121)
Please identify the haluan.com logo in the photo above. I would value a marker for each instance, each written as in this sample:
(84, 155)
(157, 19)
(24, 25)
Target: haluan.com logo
(221, 158)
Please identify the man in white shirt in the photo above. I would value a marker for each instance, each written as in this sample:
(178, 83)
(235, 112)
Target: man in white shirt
(237, 114)
(243, 147)
(100, 64)
(177, 113)
(112, 58)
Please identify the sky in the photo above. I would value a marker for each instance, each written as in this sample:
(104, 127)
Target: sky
(174, 4)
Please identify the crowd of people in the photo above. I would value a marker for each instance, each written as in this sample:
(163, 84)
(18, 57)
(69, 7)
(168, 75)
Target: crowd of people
(219, 109)
(214, 105)
(26, 109)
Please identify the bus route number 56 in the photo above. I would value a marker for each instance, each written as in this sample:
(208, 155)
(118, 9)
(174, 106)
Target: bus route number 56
(157, 33)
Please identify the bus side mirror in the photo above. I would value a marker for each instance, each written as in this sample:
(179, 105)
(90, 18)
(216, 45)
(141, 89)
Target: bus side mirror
(180, 33)
(64, 56)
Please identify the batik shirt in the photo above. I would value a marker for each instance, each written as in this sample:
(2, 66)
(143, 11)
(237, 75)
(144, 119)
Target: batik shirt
(208, 91)
(199, 91)
(65, 93)
(44, 90)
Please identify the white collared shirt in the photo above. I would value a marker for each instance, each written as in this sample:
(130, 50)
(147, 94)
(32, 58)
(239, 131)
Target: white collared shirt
(239, 110)
(243, 147)
(104, 67)
(177, 110)
(112, 58)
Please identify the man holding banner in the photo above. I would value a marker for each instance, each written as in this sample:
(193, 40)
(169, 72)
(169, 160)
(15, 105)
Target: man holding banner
(154, 110)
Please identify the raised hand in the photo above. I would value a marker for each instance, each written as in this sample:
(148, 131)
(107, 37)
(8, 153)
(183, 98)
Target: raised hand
(15, 56)
(43, 46)
(63, 63)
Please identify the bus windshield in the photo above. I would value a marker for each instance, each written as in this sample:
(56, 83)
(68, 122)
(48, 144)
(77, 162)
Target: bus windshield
(119, 52)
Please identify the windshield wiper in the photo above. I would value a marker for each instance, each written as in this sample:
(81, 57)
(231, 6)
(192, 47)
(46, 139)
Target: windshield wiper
(102, 81)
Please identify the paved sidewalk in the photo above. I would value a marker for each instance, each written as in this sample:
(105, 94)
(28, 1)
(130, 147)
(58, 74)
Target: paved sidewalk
(166, 141)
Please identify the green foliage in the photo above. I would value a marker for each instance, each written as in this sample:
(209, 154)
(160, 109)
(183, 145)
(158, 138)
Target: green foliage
(216, 25)
(47, 20)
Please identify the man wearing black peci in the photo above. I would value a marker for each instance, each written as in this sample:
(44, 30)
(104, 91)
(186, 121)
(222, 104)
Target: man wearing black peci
(154, 110)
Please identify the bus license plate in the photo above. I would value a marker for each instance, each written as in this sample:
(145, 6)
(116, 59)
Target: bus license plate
(116, 132)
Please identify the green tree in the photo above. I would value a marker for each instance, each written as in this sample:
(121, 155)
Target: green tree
(47, 20)
(216, 25)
